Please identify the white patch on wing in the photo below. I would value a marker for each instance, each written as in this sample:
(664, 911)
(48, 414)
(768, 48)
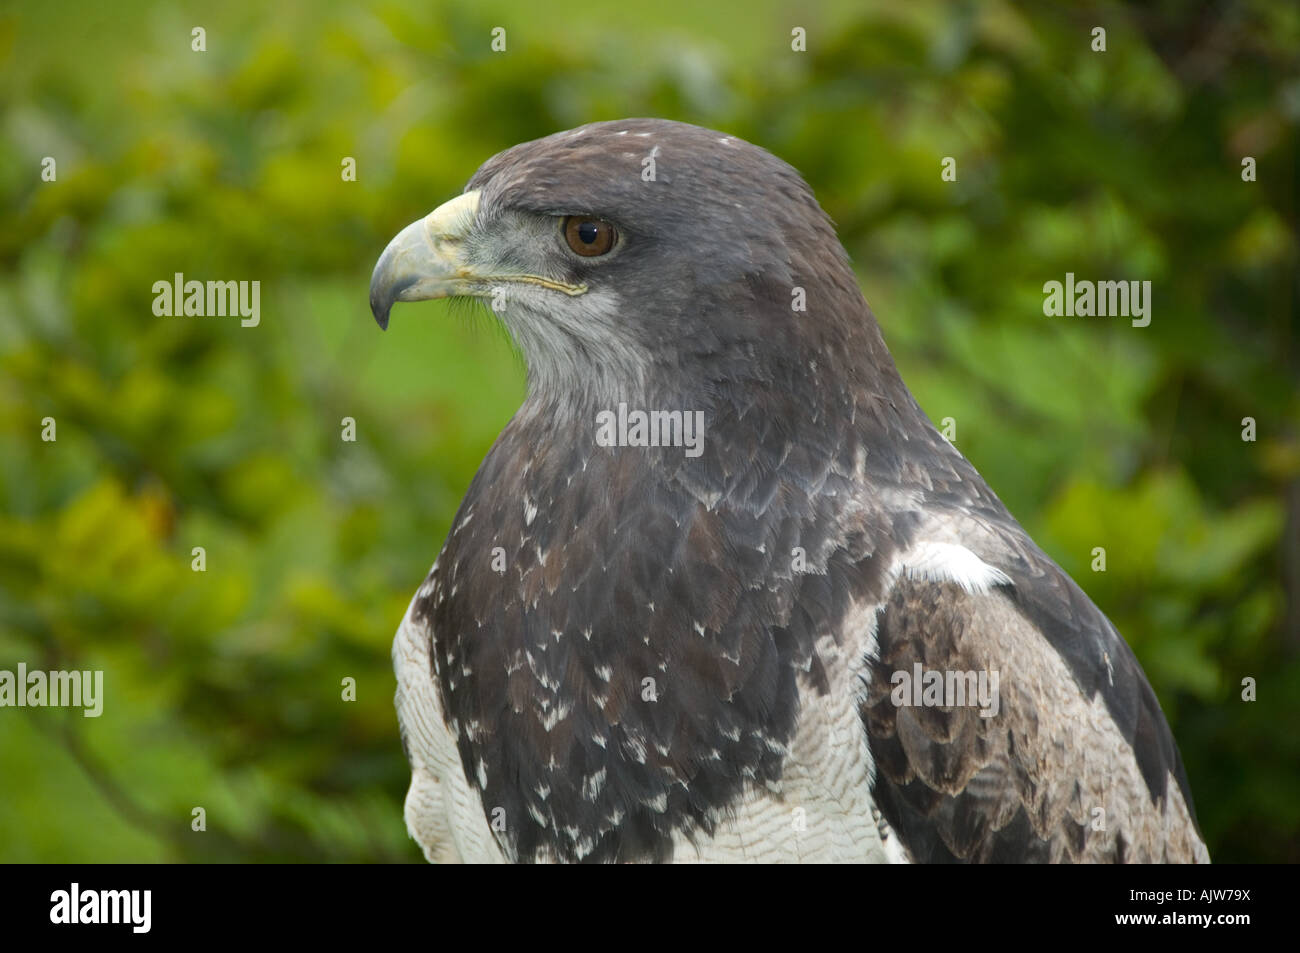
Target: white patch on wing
(951, 562)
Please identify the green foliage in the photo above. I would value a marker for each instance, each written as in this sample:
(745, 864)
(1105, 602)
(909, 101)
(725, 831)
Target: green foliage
(225, 686)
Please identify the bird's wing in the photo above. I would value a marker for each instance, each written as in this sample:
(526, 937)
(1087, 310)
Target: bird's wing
(1068, 758)
(444, 813)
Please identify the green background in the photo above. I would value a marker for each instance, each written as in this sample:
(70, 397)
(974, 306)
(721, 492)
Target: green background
(224, 686)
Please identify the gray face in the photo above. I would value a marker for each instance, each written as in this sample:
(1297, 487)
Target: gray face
(713, 234)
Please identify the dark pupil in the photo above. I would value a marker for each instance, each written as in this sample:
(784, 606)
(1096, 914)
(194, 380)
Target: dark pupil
(588, 232)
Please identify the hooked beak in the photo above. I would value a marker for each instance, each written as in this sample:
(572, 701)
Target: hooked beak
(426, 259)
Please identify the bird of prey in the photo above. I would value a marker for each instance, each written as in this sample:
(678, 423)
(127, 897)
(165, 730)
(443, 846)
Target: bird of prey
(720, 591)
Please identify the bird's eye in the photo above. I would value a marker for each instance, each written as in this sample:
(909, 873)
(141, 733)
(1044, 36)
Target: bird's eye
(589, 237)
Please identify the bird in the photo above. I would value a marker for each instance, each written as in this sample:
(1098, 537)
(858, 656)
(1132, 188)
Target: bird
(720, 592)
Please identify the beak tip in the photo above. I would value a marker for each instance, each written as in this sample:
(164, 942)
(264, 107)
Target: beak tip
(386, 290)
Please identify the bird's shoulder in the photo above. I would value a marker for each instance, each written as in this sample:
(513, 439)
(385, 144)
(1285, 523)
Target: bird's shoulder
(1062, 753)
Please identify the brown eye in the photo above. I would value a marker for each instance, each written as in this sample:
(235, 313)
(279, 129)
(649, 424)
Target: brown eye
(589, 237)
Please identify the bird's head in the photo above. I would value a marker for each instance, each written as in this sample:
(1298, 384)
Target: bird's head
(635, 251)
